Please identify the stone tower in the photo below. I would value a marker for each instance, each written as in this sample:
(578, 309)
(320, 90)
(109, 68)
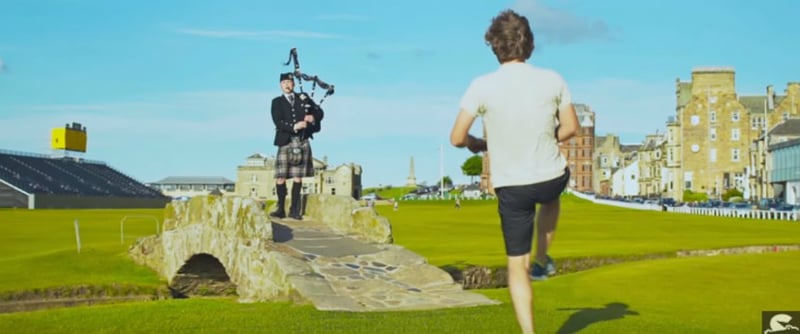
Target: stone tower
(412, 180)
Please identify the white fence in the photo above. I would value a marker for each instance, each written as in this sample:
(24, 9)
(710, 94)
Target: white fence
(722, 212)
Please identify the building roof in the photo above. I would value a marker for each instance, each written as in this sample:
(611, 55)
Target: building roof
(256, 156)
(753, 103)
(194, 180)
(713, 69)
(629, 148)
(789, 127)
(784, 144)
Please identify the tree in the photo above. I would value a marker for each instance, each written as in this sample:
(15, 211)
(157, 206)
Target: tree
(473, 166)
(447, 181)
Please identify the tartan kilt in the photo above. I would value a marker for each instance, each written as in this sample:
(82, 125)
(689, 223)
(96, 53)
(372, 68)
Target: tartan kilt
(285, 170)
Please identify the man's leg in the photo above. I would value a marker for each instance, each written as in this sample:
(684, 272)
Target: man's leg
(519, 285)
(280, 190)
(546, 228)
(517, 210)
(294, 211)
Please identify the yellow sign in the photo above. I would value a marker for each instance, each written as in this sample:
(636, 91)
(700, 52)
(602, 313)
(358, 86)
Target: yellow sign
(69, 138)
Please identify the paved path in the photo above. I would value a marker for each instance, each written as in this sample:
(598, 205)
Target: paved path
(350, 275)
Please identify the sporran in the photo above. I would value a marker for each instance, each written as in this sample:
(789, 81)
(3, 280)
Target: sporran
(295, 152)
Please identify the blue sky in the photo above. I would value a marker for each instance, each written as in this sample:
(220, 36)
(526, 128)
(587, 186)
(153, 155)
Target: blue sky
(182, 87)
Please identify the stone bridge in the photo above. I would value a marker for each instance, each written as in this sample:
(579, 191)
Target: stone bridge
(340, 257)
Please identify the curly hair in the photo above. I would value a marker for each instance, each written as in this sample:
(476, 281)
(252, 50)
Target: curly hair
(510, 37)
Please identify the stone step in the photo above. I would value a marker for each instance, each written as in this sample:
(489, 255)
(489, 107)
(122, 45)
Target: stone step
(344, 274)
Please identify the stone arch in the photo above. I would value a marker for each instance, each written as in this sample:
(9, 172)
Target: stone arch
(202, 275)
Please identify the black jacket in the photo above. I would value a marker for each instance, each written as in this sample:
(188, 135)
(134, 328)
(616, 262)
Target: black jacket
(285, 116)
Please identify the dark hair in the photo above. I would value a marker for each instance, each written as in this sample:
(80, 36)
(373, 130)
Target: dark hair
(510, 37)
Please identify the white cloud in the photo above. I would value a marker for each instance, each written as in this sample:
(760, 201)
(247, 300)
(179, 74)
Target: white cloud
(257, 35)
(560, 26)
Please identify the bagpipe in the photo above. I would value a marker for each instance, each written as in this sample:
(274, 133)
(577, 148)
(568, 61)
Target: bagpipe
(316, 81)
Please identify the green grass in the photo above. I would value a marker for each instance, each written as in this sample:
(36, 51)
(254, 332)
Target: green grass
(38, 248)
(722, 294)
(686, 295)
(471, 235)
(390, 193)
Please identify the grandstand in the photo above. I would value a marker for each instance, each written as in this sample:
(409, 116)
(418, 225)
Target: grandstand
(37, 181)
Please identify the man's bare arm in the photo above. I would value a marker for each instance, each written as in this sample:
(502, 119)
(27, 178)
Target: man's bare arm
(460, 137)
(567, 123)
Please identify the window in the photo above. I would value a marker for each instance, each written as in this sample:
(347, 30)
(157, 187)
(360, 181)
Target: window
(756, 123)
(687, 177)
(712, 134)
(735, 154)
(604, 161)
(253, 178)
(735, 116)
(695, 119)
(712, 155)
(713, 116)
(735, 134)
(333, 191)
(329, 180)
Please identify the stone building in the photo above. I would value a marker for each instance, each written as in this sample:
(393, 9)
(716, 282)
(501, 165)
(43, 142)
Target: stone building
(607, 159)
(715, 132)
(256, 179)
(651, 165)
(671, 176)
(784, 137)
(719, 131)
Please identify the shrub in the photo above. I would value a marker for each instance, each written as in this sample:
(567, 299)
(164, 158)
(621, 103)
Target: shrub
(733, 192)
(690, 196)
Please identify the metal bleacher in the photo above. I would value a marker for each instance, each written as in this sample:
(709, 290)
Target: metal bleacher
(68, 176)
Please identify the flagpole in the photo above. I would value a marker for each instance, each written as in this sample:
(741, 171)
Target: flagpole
(441, 170)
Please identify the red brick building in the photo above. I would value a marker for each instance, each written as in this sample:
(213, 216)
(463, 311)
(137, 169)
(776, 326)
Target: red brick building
(579, 150)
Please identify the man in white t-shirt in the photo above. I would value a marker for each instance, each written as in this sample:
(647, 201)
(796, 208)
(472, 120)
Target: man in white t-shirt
(527, 111)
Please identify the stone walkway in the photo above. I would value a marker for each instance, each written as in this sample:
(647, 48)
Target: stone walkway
(349, 275)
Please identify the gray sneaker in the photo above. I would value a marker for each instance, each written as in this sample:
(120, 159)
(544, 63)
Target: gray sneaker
(540, 272)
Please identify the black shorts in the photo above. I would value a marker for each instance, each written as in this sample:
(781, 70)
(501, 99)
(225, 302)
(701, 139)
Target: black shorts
(517, 208)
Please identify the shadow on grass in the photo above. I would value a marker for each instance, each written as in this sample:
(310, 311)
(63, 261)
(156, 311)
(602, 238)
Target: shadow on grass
(588, 315)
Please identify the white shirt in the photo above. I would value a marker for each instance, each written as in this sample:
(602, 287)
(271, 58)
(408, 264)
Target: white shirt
(519, 103)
